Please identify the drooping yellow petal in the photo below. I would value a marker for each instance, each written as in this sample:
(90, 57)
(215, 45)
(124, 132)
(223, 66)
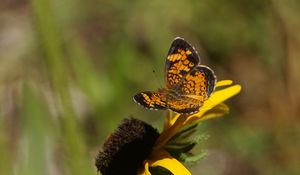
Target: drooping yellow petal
(174, 119)
(169, 120)
(220, 96)
(224, 83)
(163, 159)
(217, 111)
(216, 98)
(145, 170)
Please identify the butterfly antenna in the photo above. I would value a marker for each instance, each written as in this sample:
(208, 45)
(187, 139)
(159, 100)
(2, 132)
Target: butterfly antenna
(156, 77)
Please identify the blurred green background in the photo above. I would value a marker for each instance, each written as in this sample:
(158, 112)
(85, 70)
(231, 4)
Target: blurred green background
(69, 69)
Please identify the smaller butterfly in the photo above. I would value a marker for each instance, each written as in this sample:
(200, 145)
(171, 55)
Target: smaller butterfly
(188, 84)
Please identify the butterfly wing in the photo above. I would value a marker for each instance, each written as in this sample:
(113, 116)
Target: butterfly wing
(196, 87)
(181, 59)
(199, 83)
(160, 101)
(151, 100)
(184, 104)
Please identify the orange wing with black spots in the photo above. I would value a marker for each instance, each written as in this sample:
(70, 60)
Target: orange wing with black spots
(196, 87)
(181, 59)
(200, 82)
(167, 100)
(151, 100)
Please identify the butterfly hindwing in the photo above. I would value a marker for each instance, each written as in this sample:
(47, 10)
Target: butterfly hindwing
(181, 59)
(199, 82)
(184, 104)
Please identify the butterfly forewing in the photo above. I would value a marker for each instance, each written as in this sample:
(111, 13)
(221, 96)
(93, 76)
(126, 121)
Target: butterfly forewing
(151, 100)
(181, 59)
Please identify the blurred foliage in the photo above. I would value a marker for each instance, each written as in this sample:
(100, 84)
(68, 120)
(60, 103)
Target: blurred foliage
(69, 70)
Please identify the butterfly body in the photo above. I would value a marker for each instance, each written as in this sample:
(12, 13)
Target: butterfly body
(188, 84)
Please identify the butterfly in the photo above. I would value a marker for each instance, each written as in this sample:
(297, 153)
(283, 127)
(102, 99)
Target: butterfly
(187, 83)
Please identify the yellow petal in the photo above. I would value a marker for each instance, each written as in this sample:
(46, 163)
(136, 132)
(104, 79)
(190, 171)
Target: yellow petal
(145, 170)
(164, 159)
(217, 111)
(218, 97)
(169, 120)
(224, 83)
(174, 119)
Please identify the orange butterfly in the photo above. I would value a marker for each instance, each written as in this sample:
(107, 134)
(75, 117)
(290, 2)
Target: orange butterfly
(188, 84)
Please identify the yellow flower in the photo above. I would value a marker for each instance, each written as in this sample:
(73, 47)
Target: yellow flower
(212, 107)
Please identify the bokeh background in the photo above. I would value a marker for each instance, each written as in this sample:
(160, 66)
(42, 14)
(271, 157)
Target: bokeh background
(69, 69)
